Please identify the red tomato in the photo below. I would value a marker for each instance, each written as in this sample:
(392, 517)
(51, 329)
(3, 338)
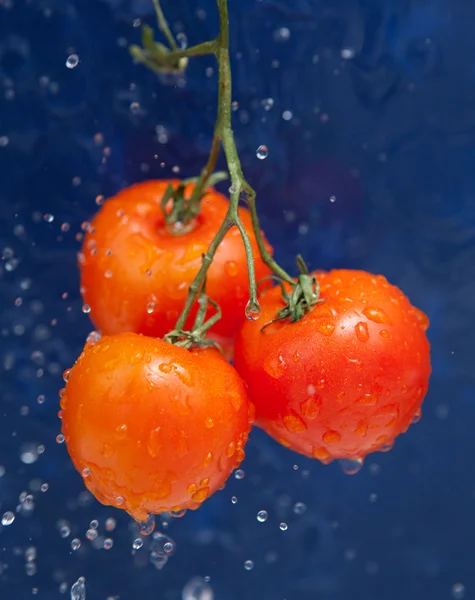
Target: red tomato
(135, 274)
(347, 378)
(153, 427)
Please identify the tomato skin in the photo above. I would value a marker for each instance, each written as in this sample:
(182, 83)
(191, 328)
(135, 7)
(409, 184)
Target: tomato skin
(157, 425)
(346, 379)
(135, 274)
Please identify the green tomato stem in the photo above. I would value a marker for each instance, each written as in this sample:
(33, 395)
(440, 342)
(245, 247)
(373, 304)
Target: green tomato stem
(240, 188)
(163, 25)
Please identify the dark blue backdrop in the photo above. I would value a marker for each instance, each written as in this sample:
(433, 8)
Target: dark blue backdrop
(369, 101)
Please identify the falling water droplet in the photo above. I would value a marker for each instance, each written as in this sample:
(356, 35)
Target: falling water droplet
(8, 518)
(78, 589)
(72, 61)
(148, 526)
(197, 589)
(351, 466)
(253, 310)
(262, 516)
(262, 152)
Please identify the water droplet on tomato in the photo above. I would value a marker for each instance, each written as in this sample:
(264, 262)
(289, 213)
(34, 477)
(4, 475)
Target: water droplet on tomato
(147, 527)
(326, 328)
(154, 443)
(331, 437)
(66, 374)
(136, 358)
(321, 454)
(387, 447)
(231, 268)
(384, 333)
(207, 460)
(151, 307)
(231, 449)
(209, 423)
(311, 407)
(294, 423)
(121, 431)
(369, 399)
(178, 513)
(86, 309)
(362, 429)
(201, 495)
(252, 310)
(416, 418)
(351, 466)
(107, 450)
(361, 331)
(86, 472)
(376, 315)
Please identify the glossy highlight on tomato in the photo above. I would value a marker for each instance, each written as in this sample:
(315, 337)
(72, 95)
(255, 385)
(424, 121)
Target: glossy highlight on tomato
(135, 272)
(153, 427)
(346, 379)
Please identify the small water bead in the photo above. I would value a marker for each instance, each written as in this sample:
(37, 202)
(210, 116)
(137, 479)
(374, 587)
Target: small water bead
(262, 516)
(108, 274)
(110, 524)
(72, 61)
(282, 34)
(134, 108)
(44, 487)
(8, 518)
(91, 534)
(347, 53)
(197, 589)
(299, 508)
(60, 438)
(267, 103)
(108, 543)
(458, 591)
(283, 526)
(75, 544)
(151, 307)
(252, 310)
(262, 152)
(248, 565)
(162, 545)
(86, 472)
(351, 466)
(178, 514)
(287, 115)
(86, 309)
(148, 526)
(78, 589)
(41, 398)
(64, 531)
(239, 474)
(234, 500)
(137, 544)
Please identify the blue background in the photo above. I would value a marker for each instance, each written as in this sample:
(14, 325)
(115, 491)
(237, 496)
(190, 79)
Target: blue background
(390, 132)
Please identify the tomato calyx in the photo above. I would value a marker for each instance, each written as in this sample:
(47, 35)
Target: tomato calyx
(302, 298)
(196, 337)
(185, 208)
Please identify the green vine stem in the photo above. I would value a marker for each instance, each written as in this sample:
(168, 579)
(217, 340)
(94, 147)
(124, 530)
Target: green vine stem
(159, 58)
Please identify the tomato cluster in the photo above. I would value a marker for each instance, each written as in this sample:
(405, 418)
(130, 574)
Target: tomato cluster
(155, 427)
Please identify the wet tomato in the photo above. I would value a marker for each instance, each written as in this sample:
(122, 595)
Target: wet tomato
(135, 272)
(347, 378)
(153, 427)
